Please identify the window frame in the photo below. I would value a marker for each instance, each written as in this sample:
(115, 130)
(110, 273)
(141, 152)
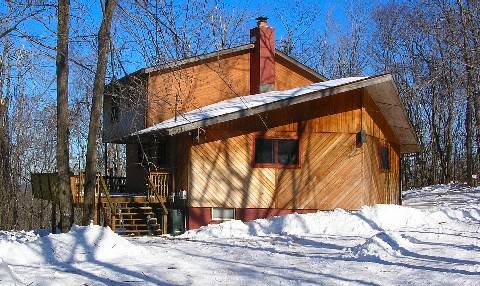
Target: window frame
(381, 147)
(275, 139)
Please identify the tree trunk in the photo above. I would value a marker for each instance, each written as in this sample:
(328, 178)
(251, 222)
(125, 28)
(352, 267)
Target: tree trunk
(97, 103)
(472, 62)
(448, 133)
(5, 143)
(469, 140)
(433, 138)
(64, 192)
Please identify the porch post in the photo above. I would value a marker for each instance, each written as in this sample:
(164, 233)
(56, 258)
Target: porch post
(164, 223)
(105, 158)
(54, 217)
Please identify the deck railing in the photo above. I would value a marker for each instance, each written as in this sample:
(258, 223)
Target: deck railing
(77, 185)
(116, 184)
(77, 182)
(161, 185)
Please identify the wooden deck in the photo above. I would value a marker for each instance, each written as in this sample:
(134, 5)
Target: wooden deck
(134, 214)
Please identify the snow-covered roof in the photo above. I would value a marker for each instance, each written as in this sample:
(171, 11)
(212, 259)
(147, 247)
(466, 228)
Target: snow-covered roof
(381, 88)
(242, 103)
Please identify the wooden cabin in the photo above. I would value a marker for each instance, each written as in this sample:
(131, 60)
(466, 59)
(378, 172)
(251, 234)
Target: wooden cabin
(249, 132)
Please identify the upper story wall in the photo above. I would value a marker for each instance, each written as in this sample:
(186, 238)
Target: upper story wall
(196, 85)
(288, 75)
(124, 104)
(208, 82)
(374, 123)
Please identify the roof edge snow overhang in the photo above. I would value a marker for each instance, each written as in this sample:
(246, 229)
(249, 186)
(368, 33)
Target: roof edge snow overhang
(381, 88)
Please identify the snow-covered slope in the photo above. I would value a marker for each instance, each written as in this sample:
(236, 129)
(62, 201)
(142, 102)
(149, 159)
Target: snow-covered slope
(434, 239)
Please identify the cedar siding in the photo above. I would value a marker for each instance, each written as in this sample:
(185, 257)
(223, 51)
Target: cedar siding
(334, 172)
(211, 81)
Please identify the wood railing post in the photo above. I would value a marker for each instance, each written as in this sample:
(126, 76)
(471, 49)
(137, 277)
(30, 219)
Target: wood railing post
(113, 221)
(164, 224)
(96, 206)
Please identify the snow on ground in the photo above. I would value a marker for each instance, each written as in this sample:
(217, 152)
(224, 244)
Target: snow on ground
(434, 239)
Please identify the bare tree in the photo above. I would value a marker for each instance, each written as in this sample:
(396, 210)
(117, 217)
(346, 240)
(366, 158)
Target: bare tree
(97, 103)
(5, 98)
(63, 167)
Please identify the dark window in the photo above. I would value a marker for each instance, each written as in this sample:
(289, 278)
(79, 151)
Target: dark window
(264, 151)
(287, 152)
(271, 152)
(161, 153)
(384, 157)
(140, 153)
(115, 111)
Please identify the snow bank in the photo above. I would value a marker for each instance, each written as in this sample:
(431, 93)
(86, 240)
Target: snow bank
(364, 223)
(381, 232)
(381, 246)
(82, 243)
(7, 277)
(453, 195)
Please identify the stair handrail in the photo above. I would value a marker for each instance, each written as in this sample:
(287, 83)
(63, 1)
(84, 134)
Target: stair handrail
(107, 194)
(113, 209)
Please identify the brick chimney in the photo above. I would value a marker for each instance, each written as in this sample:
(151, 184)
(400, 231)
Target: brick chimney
(262, 62)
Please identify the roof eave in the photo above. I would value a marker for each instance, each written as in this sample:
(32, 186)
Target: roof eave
(196, 59)
(404, 133)
(395, 113)
(298, 64)
(275, 105)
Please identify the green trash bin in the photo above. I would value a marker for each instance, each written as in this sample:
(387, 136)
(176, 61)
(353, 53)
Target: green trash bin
(176, 221)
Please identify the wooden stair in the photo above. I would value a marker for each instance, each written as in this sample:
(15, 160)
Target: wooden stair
(136, 218)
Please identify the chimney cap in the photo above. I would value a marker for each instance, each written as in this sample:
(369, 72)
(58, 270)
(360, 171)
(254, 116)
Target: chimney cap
(261, 20)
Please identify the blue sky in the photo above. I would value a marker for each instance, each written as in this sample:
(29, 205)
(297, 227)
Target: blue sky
(282, 15)
(338, 10)
(285, 15)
